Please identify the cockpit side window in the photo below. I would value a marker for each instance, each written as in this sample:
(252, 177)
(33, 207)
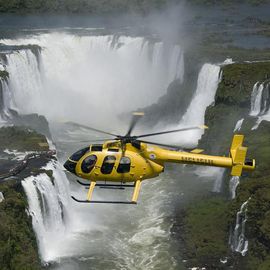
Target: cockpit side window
(77, 155)
(108, 164)
(89, 163)
(124, 165)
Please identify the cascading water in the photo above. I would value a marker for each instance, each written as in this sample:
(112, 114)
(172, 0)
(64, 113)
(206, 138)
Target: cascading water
(234, 182)
(5, 101)
(207, 84)
(49, 207)
(238, 241)
(256, 99)
(73, 77)
(260, 102)
(24, 80)
(238, 125)
(90, 69)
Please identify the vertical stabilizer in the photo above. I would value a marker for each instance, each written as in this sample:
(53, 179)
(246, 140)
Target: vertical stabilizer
(238, 154)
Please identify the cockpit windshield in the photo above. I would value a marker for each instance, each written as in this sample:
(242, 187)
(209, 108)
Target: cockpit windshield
(77, 155)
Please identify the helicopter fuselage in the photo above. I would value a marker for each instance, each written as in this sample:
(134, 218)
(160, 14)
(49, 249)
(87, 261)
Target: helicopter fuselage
(110, 162)
(113, 164)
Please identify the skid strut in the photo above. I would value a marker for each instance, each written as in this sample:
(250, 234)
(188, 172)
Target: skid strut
(136, 191)
(136, 185)
(90, 191)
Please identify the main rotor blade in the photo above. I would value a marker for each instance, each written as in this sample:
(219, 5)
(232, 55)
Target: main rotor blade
(90, 128)
(164, 145)
(171, 131)
(136, 117)
(89, 141)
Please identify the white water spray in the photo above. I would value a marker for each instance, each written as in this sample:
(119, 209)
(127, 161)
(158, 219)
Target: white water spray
(78, 74)
(256, 97)
(238, 125)
(204, 96)
(238, 241)
(260, 102)
(49, 206)
(234, 182)
(24, 81)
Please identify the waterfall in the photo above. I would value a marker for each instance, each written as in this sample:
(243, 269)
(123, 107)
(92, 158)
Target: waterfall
(207, 84)
(84, 78)
(238, 125)
(204, 95)
(260, 99)
(260, 102)
(7, 100)
(218, 180)
(256, 97)
(238, 241)
(234, 182)
(74, 75)
(24, 80)
(49, 207)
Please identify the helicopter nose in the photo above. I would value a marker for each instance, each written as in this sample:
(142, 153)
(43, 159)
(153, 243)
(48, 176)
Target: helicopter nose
(70, 166)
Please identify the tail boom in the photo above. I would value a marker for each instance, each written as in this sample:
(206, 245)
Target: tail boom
(236, 161)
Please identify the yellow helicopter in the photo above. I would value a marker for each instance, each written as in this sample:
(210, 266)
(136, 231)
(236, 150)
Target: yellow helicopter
(125, 161)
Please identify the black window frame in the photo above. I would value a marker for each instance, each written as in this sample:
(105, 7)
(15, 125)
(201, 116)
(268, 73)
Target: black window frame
(83, 166)
(79, 154)
(96, 147)
(107, 167)
(124, 167)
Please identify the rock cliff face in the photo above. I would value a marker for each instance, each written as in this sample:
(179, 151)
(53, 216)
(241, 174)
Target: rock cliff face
(209, 224)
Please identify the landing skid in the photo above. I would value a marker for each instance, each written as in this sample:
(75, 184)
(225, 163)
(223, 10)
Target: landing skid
(137, 185)
(107, 185)
(102, 202)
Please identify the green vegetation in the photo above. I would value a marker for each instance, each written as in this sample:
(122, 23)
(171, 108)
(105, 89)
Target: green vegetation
(18, 249)
(204, 236)
(207, 222)
(232, 102)
(22, 139)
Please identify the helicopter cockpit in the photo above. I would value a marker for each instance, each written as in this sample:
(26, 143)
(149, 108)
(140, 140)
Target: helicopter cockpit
(71, 163)
(108, 163)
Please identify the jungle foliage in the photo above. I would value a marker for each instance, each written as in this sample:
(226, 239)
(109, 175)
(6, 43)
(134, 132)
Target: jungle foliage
(208, 222)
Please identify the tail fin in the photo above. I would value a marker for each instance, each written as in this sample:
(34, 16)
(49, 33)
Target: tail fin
(238, 154)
